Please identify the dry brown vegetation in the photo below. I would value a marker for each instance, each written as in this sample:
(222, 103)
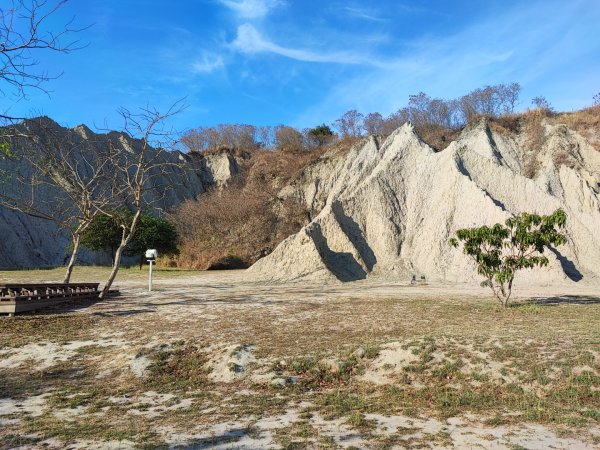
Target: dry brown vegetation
(586, 122)
(525, 376)
(506, 123)
(437, 136)
(235, 226)
(530, 125)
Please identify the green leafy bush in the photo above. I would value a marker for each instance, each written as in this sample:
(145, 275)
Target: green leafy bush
(501, 250)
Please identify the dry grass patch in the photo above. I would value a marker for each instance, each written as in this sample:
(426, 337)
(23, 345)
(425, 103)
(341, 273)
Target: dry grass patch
(90, 274)
(537, 362)
(20, 330)
(586, 122)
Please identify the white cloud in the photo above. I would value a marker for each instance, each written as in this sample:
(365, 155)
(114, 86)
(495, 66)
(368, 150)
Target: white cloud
(535, 46)
(251, 9)
(250, 41)
(207, 64)
(363, 13)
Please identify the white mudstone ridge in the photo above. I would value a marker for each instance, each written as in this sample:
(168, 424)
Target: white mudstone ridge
(388, 209)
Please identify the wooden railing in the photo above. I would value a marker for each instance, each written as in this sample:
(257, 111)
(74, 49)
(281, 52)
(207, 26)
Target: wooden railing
(18, 297)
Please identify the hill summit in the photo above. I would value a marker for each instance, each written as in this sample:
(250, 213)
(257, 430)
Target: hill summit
(387, 209)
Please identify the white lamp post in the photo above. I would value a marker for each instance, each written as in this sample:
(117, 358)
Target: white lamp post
(151, 255)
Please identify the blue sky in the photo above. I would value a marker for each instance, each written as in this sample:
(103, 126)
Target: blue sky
(306, 62)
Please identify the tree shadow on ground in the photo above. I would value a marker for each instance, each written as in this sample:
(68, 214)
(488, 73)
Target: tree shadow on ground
(122, 312)
(228, 437)
(231, 300)
(19, 383)
(62, 307)
(563, 300)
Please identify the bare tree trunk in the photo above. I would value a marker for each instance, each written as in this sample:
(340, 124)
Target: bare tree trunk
(136, 169)
(114, 271)
(76, 244)
(128, 234)
(499, 298)
(507, 297)
(490, 283)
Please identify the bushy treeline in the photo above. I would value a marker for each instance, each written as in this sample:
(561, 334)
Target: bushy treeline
(426, 113)
(104, 235)
(423, 110)
(250, 137)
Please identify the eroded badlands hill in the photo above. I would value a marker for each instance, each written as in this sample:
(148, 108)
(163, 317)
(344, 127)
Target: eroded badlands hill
(31, 242)
(388, 208)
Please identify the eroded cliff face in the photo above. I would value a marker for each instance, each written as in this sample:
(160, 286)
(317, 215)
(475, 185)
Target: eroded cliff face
(27, 241)
(385, 207)
(388, 208)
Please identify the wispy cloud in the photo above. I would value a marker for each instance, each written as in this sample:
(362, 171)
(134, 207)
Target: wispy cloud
(183, 59)
(251, 9)
(534, 46)
(363, 13)
(250, 41)
(207, 64)
(412, 8)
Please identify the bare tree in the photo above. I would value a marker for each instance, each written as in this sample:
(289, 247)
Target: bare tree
(418, 106)
(424, 111)
(427, 113)
(288, 139)
(541, 103)
(265, 136)
(490, 101)
(57, 176)
(233, 136)
(136, 167)
(240, 136)
(394, 121)
(509, 96)
(350, 124)
(373, 123)
(439, 113)
(25, 30)
(195, 140)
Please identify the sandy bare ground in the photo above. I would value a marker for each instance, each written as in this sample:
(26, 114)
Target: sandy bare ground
(213, 360)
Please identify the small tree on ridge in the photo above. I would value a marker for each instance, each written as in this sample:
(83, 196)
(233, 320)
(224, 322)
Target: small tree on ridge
(320, 135)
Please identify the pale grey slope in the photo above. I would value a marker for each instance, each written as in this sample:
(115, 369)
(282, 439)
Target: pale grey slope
(31, 242)
(388, 210)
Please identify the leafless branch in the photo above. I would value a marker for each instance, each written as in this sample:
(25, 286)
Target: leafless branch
(24, 32)
(57, 176)
(137, 161)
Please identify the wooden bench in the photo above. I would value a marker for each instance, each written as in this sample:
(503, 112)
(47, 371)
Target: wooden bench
(18, 297)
